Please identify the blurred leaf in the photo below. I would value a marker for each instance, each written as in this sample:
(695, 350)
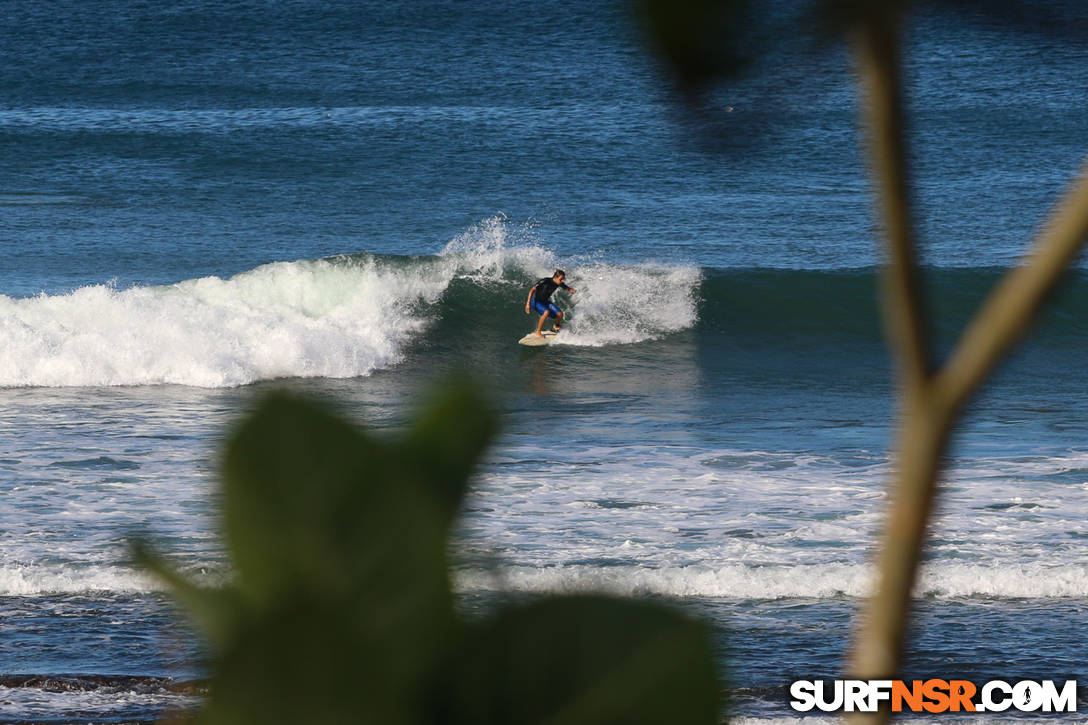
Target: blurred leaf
(313, 503)
(212, 610)
(448, 440)
(701, 40)
(756, 57)
(841, 15)
(585, 659)
(341, 608)
(340, 553)
(315, 662)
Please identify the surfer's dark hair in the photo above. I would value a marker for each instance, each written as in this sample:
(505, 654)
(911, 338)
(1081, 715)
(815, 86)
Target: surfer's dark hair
(559, 272)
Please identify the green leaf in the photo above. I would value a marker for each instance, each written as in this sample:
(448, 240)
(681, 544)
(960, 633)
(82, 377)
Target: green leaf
(312, 503)
(332, 533)
(340, 607)
(448, 440)
(314, 663)
(584, 659)
(214, 611)
(701, 40)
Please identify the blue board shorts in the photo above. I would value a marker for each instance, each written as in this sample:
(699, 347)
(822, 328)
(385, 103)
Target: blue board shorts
(551, 308)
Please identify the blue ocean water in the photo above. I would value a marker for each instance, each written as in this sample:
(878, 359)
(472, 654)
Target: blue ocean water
(204, 201)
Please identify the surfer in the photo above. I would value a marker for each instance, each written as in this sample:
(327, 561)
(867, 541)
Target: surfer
(540, 297)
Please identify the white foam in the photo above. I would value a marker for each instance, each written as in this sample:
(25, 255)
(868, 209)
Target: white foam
(30, 703)
(732, 581)
(630, 304)
(614, 304)
(34, 580)
(814, 581)
(314, 318)
(39, 580)
(494, 250)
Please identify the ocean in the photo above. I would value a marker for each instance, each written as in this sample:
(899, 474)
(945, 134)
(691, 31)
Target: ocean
(204, 201)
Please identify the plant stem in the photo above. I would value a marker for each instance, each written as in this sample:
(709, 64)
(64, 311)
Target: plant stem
(924, 423)
(930, 401)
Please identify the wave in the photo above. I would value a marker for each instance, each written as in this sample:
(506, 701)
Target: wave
(350, 315)
(814, 581)
(837, 306)
(108, 684)
(312, 318)
(33, 580)
(808, 581)
(91, 698)
(340, 317)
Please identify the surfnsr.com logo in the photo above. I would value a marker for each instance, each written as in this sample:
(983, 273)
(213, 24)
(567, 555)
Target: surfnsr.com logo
(933, 696)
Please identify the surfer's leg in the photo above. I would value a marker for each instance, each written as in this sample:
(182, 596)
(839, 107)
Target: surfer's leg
(540, 323)
(558, 321)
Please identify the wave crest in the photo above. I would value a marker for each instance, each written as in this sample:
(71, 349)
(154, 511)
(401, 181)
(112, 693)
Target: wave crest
(336, 318)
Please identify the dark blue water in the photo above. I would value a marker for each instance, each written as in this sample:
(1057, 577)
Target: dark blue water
(201, 198)
(150, 145)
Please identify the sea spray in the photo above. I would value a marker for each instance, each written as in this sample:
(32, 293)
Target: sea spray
(494, 250)
(631, 304)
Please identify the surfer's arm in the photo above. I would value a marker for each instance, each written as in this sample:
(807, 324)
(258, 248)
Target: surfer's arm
(529, 299)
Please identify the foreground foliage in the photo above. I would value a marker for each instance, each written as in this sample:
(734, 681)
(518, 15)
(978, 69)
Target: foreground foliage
(341, 607)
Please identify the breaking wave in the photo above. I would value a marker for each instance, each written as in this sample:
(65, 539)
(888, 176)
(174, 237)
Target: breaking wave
(339, 317)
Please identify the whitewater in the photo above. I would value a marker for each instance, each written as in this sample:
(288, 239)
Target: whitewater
(339, 317)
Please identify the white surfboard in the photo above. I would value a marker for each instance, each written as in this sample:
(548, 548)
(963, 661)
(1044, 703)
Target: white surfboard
(533, 341)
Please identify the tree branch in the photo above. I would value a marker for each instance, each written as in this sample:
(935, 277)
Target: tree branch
(924, 426)
(877, 49)
(931, 401)
(1011, 307)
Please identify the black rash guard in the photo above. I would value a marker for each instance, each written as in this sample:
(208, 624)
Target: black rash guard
(545, 288)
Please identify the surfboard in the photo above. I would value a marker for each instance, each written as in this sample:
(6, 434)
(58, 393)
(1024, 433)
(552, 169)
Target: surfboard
(533, 341)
